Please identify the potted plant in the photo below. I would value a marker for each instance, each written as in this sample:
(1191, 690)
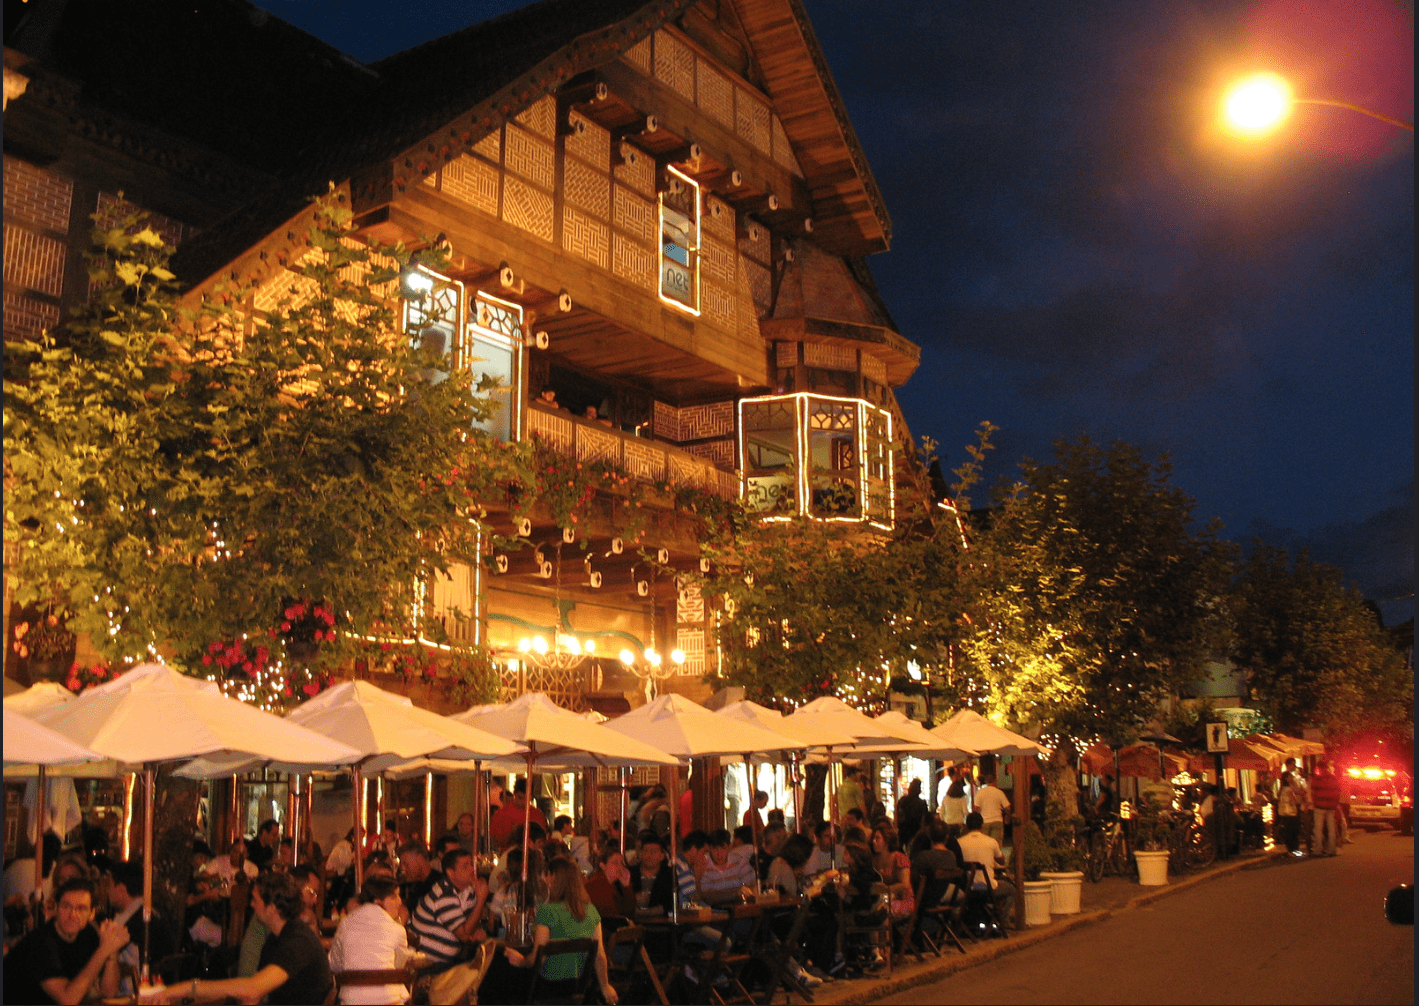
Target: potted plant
(1150, 850)
(1038, 892)
(1064, 874)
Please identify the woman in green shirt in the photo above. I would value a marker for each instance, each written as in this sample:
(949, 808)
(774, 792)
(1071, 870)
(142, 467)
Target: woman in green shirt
(567, 915)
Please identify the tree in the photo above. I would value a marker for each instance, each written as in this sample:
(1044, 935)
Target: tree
(1314, 651)
(1096, 595)
(209, 482)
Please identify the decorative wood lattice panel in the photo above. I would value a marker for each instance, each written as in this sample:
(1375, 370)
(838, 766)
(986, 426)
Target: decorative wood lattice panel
(530, 157)
(473, 181)
(717, 305)
(755, 242)
(638, 55)
(751, 119)
(718, 219)
(111, 209)
(582, 236)
(667, 421)
(527, 207)
(714, 419)
(590, 142)
(491, 146)
(786, 354)
(556, 431)
(692, 642)
(634, 215)
(282, 285)
(587, 188)
(874, 369)
(720, 452)
(541, 117)
(816, 354)
(28, 317)
(675, 64)
(689, 603)
(748, 313)
(716, 94)
(717, 261)
(36, 196)
(637, 169)
(632, 261)
(783, 150)
(597, 445)
(643, 462)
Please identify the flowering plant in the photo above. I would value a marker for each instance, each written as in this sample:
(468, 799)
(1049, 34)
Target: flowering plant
(85, 676)
(46, 638)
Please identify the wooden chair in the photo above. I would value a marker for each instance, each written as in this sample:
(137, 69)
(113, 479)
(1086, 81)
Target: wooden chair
(587, 948)
(778, 954)
(980, 901)
(405, 976)
(722, 970)
(627, 960)
(946, 913)
(237, 904)
(878, 935)
(907, 929)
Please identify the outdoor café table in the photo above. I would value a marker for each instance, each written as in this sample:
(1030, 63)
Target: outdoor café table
(683, 956)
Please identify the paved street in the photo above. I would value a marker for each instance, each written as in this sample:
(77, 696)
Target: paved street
(1295, 932)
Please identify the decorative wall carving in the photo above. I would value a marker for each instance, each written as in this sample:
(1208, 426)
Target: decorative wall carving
(473, 181)
(491, 146)
(25, 316)
(555, 431)
(720, 452)
(588, 238)
(36, 196)
(786, 354)
(717, 260)
(675, 64)
(527, 207)
(634, 215)
(639, 55)
(760, 282)
(717, 305)
(632, 261)
(590, 142)
(783, 150)
(33, 260)
(587, 188)
(637, 169)
(530, 157)
(716, 93)
(874, 369)
(817, 354)
(718, 219)
(751, 119)
(541, 117)
(644, 462)
(595, 445)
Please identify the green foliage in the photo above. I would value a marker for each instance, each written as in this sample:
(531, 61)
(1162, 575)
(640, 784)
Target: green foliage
(1096, 596)
(1315, 654)
(1038, 856)
(1147, 831)
(179, 475)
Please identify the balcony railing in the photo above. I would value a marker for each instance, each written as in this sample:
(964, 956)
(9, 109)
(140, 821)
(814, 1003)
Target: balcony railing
(646, 460)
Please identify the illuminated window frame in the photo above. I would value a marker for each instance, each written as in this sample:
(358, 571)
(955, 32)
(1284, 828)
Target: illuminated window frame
(803, 496)
(513, 342)
(694, 252)
(415, 313)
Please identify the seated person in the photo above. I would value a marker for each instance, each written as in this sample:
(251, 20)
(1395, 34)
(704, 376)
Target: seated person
(233, 864)
(978, 847)
(724, 879)
(788, 864)
(418, 873)
(449, 918)
(609, 886)
(653, 880)
(372, 938)
(66, 960)
(293, 967)
(513, 814)
(310, 895)
(510, 898)
(934, 858)
(578, 845)
(126, 899)
(827, 851)
(741, 845)
(774, 835)
(567, 915)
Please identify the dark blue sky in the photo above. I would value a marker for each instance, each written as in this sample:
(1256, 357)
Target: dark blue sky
(1078, 250)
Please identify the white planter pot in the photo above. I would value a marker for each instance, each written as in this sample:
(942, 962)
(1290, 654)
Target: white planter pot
(1067, 888)
(1038, 894)
(1152, 868)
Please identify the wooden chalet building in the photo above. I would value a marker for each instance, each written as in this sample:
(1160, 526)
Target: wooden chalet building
(658, 211)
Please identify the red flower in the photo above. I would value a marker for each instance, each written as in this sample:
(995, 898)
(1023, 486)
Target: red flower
(73, 683)
(386, 647)
(271, 633)
(290, 612)
(216, 645)
(207, 659)
(285, 626)
(246, 666)
(312, 689)
(287, 691)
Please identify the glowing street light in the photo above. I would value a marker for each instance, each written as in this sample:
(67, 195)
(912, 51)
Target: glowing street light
(1258, 104)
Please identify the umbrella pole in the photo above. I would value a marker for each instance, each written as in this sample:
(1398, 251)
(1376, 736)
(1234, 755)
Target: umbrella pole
(833, 808)
(625, 806)
(149, 780)
(41, 808)
(796, 781)
(754, 807)
(675, 845)
(526, 828)
(233, 826)
(357, 779)
(296, 819)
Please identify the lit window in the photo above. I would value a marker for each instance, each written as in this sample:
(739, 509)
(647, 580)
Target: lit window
(432, 320)
(819, 456)
(680, 241)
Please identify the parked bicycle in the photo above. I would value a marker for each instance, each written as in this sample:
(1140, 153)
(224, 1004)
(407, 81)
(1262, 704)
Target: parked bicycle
(1191, 846)
(1107, 853)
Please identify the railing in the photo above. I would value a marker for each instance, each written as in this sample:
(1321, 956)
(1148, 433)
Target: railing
(642, 459)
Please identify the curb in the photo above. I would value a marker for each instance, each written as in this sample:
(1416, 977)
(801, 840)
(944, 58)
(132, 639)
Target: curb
(937, 970)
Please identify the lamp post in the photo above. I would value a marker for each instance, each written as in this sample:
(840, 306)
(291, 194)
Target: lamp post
(1260, 103)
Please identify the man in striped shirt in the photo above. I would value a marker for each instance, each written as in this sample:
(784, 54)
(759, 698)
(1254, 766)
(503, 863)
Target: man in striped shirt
(451, 914)
(724, 876)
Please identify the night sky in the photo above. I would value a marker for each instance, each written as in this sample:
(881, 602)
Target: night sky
(1079, 249)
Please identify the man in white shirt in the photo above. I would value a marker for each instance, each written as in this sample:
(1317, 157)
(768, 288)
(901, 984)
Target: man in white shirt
(992, 805)
(978, 847)
(371, 939)
(227, 867)
(823, 853)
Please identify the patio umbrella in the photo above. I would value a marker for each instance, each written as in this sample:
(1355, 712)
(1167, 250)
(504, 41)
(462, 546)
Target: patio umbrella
(1149, 762)
(153, 714)
(385, 731)
(558, 738)
(28, 702)
(37, 697)
(1097, 759)
(12, 687)
(686, 729)
(1299, 747)
(970, 729)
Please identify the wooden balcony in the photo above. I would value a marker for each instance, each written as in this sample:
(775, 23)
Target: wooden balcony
(646, 460)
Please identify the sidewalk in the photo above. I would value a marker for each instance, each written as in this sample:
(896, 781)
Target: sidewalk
(1100, 901)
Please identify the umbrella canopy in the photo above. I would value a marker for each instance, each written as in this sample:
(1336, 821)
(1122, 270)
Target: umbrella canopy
(806, 730)
(560, 738)
(41, 696)
(1098, 759)
(1143, 760)
(924, 744)
(686, 729)
(382, 729)
(12, 687)
(29, 742)
(154, 714)
(838, 715)
(971, 730)
(1299, 747)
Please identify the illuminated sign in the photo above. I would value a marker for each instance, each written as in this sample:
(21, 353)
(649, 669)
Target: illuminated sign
(680, 241)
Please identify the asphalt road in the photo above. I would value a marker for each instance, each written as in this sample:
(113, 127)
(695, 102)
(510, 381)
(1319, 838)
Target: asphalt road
(1310, 931)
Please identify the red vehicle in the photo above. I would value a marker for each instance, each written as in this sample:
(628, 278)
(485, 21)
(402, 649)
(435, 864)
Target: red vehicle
(1380, 793)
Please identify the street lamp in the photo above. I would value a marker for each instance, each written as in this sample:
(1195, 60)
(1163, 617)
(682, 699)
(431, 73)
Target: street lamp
(1260, 103)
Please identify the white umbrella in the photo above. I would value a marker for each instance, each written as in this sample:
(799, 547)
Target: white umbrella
(28, 742)
(38, 696)
(971, 730)
(686, 729)
(28, 702)
(925, 743)
(153, 714)
(12, 687)
(558, 738)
